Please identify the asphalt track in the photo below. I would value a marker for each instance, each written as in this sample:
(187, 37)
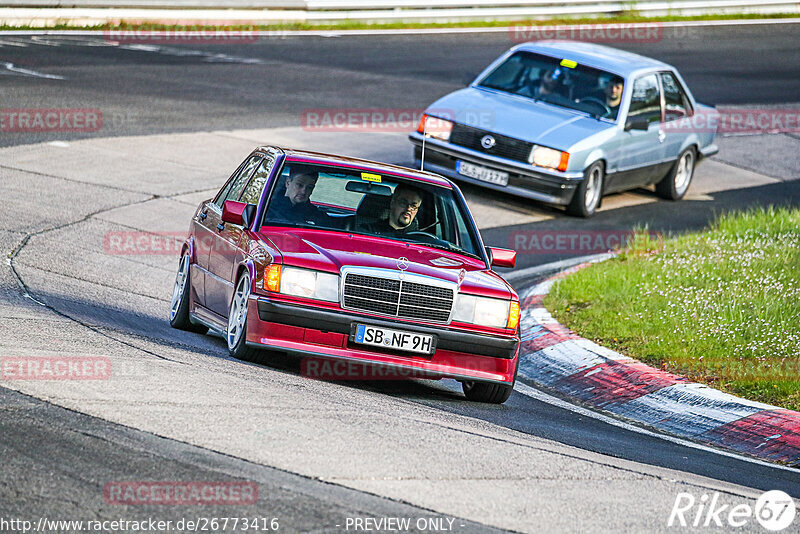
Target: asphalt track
(320, 452)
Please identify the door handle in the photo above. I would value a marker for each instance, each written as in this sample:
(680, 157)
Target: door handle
(203, 216)
(221, 226)
(661, 136)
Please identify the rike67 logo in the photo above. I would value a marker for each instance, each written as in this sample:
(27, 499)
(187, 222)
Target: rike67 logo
(774, 511)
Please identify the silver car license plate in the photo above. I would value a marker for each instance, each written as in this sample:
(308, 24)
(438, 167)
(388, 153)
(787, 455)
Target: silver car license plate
(481, 173)
(394, 339)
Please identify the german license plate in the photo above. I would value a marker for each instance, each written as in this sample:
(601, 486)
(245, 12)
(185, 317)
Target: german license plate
(481, 173)
(394, 339)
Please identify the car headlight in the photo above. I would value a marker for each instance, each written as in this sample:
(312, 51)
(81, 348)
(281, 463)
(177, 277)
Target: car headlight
(485, 311)
(548, 157)
(435, 127)
(302, 283)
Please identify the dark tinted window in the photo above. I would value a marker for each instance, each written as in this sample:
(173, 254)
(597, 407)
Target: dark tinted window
(675, 100)
(646, 99)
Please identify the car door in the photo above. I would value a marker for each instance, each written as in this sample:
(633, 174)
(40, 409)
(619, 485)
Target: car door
(223, 241)
(676, 106)
(205, 235)
(642, 150)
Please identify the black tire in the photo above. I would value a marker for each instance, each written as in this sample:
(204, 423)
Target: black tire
(179, 306)
(677, 181)
(236, 332)
(589, 192)
(489, 392)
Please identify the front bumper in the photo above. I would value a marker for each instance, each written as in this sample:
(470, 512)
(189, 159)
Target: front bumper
(524, 180)
(320, 332)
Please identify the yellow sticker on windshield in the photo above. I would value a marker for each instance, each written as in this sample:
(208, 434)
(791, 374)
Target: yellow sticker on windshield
(568, 63)
(371, 177)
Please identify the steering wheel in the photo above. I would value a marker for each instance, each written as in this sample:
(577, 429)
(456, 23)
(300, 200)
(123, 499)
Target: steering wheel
(596, 101)
(425, 235)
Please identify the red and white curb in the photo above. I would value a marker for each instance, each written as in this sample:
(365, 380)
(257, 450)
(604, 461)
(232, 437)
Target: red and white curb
(558, 359)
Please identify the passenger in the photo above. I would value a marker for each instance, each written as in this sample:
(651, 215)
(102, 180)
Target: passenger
(295, 205)
(403, 209)
(548, 87)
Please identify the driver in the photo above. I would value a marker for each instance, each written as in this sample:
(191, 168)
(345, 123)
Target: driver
(403, 209)
(613, 92)
(294, 205)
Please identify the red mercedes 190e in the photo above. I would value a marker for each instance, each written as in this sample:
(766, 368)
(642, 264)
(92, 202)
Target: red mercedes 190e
(342, 258)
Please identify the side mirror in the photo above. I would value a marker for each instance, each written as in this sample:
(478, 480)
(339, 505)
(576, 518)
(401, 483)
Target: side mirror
(637, 123)
(502, 257)
(233, 212)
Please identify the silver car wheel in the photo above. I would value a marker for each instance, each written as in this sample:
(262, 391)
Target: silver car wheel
(592, 192)
(683, 174)
(180, 287)
(237, 318)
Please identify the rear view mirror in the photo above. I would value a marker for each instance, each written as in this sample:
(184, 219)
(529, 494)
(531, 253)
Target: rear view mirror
(502, 257)
(368, 188)
(637, 123)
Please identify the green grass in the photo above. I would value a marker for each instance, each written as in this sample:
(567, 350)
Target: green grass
(721, 307)
(355, 25)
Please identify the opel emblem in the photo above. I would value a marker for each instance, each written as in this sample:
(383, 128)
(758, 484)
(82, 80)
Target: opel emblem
(487, 141)
(402, 263)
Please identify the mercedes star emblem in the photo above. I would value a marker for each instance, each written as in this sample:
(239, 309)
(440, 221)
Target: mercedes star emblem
(402, 263)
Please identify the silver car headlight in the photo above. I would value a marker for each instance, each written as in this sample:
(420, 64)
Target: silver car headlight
(482, 311)
(548, 157)
(309, 284)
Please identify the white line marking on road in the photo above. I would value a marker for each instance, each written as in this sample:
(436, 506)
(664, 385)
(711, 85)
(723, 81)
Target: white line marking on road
(560, 403)
(27, 72)
(6, 42)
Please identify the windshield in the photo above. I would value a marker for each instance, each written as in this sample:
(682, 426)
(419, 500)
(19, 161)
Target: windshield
(354, 201)
(560, 82)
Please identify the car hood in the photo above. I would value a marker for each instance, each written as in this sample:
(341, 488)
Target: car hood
(330, 251)
(518, 117)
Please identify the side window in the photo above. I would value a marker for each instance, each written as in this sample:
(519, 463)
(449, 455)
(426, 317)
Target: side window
(235, 186)
(675, 100)
(253, 190)
(646, 99)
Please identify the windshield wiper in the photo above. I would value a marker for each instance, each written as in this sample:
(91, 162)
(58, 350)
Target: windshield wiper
(450, 247)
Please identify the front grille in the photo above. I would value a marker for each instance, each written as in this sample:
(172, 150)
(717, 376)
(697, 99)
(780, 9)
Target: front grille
(505, 147)
(398, 298)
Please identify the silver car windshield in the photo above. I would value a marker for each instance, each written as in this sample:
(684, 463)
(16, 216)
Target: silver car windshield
(348, 200)
(560, 82)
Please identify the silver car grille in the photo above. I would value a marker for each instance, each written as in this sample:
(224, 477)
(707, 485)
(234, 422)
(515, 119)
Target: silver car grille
(406, 296)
